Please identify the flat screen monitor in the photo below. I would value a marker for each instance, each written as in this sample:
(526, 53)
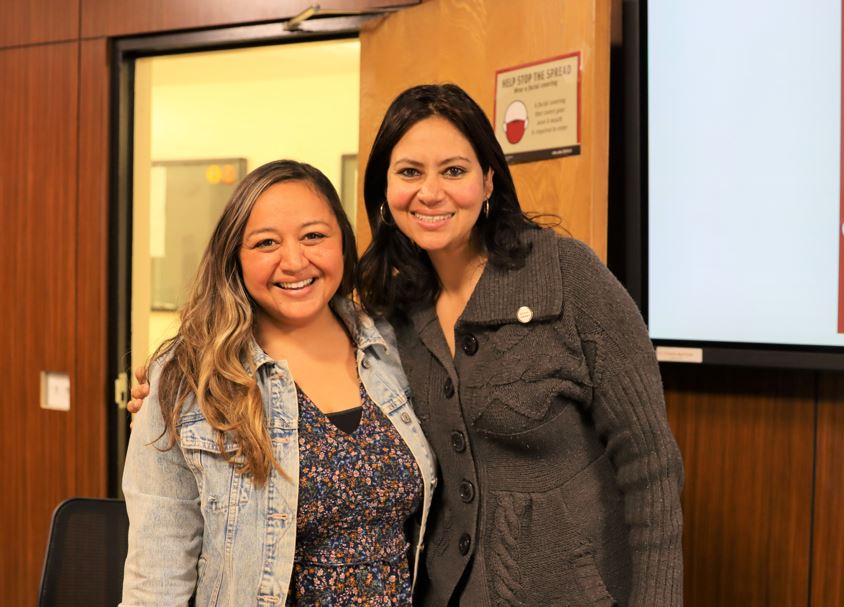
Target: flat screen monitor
(736, 139)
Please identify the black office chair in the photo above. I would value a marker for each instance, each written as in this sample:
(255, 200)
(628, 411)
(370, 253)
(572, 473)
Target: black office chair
(86, 550)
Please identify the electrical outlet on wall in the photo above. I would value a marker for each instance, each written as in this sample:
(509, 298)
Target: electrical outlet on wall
(55, 391)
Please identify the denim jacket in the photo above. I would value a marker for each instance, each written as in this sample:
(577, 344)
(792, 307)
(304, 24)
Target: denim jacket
(198, 526)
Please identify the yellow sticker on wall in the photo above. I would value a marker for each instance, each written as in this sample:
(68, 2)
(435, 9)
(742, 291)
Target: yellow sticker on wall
(213, 174)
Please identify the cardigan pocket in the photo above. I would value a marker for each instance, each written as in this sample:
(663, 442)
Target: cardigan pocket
(536, 555)
(527, 377)
(524, 395)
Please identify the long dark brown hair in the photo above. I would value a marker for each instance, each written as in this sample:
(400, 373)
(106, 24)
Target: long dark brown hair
(395, 275)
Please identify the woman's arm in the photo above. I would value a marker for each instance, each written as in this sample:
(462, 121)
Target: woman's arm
(165, 522)
(628, 410)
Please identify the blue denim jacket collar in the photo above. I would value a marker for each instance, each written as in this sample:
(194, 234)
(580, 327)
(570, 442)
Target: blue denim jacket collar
(360, 326)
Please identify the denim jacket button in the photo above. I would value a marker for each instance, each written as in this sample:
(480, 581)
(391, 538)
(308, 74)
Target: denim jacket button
(405, 417)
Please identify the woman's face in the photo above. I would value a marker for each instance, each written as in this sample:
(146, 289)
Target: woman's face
(436, 187)
(292, 254)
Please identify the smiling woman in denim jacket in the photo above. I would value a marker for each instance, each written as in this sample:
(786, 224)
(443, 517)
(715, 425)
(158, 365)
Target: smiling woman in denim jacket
(278, 459)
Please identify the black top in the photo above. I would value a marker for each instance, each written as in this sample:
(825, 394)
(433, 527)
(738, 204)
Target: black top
(347, 420)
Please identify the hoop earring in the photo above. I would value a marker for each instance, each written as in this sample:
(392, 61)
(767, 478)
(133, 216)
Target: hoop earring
(383, 215)
(485, 208)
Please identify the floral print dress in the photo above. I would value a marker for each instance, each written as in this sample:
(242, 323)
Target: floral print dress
(356, 491)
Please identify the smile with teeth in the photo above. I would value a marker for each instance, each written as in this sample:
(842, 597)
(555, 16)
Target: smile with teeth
(301, 284)
(432, 218)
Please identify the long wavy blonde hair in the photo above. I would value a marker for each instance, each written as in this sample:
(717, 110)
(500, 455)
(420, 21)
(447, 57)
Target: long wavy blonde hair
(206, 357)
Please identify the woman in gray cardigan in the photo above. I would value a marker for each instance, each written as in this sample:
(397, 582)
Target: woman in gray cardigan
(531, 372)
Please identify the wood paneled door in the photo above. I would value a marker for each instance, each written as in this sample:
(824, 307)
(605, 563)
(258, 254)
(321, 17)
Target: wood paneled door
(465, 42)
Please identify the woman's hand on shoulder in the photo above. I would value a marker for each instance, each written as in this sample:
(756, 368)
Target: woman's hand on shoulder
(139, 391)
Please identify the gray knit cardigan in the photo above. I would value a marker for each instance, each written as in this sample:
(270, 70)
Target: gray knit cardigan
(560, 479)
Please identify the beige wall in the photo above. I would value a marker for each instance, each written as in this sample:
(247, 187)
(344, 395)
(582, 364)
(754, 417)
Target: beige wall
(298, 101)
(291, 101)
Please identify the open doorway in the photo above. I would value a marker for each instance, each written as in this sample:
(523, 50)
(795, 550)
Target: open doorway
(195, 113)
(202, 121)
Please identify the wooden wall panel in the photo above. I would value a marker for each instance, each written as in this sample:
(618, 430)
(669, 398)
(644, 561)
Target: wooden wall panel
(747, 443)
(466, 41)
(37, 21)
(828, 546)
(91, 386)
(122, 17)
(11, 474)
(37, 302)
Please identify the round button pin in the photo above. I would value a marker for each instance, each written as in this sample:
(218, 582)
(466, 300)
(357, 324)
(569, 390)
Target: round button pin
(524, 314)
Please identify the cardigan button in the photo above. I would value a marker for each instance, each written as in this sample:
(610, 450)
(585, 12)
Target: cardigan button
(448, 388)
(458, 441)
(464, 544)
(467, 491)
(470, 344)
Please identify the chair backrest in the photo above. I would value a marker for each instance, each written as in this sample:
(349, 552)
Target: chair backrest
(86, 550)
